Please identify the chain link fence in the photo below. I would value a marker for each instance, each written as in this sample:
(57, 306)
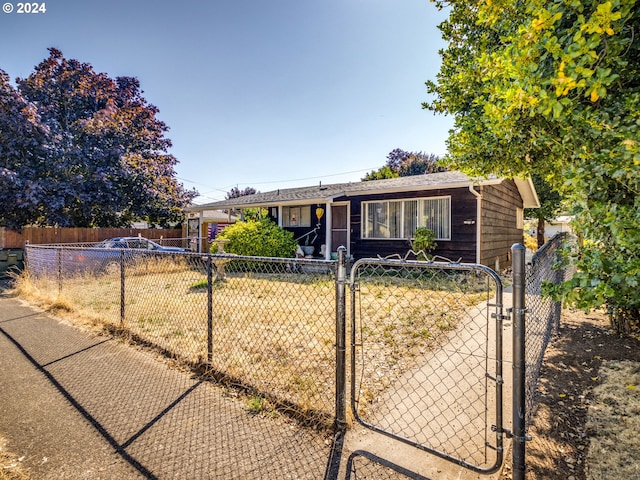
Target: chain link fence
(190, 244)
(542, 312)
(264, 325)
(425, 338)
(535, 317)
(366, 466)
(426, 353)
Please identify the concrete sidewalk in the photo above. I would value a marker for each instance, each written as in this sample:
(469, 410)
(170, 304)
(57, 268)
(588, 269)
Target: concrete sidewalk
(80, 406)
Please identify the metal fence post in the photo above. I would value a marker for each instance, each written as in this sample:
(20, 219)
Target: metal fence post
(25, 259)
(341, 349)
(122, 292)
(559, 279)
(519, 362)
(209, 309)
(59, 261)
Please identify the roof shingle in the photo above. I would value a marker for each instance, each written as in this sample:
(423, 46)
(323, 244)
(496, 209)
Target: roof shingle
(325, 193)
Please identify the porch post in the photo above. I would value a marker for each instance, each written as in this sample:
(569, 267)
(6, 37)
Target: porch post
(201, 234)
(328, 230)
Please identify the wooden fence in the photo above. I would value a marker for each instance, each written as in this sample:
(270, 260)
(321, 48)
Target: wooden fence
(44, 235)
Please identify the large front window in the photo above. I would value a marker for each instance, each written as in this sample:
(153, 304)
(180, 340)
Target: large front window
(400, 218)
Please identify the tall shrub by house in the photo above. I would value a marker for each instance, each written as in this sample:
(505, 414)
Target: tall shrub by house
(262, 238)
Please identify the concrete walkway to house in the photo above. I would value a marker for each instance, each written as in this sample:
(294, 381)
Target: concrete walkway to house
(75, 405)
(445, 403)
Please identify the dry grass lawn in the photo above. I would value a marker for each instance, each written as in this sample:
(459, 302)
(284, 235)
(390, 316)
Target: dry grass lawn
(273, 333)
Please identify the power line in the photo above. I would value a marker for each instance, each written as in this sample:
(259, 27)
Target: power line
(312, 178)
(225, 189)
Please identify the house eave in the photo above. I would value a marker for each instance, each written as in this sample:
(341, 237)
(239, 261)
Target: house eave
(527, 192)
(262, 204)
(411, 188)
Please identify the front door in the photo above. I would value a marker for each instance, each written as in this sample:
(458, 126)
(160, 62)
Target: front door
(340, 226)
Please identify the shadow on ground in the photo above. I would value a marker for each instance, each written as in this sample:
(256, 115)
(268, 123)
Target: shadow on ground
(560, 441)
(142, 418)
(160, 421)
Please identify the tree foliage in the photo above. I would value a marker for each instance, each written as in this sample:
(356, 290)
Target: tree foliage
(550, 205)
(78, 148)
(553, 88)
(23, 192)
(235, 192)
(253, 213)
(403, 164)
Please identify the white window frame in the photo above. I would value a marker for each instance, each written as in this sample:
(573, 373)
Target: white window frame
(402, 234)
(520, 218)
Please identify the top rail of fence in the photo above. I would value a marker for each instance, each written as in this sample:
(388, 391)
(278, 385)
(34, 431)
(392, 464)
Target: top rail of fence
(443, 265)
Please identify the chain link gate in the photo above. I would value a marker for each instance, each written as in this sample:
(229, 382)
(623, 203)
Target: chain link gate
(426, 357)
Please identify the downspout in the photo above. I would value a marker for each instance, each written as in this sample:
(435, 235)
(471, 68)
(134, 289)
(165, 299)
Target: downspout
(478, 221)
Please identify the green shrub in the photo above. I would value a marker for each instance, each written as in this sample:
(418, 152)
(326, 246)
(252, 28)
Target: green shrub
(261, 238)
(423, 242)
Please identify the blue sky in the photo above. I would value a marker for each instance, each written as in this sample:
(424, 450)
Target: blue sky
(262, 93)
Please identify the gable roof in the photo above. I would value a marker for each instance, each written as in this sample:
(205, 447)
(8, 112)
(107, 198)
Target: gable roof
(327, 193)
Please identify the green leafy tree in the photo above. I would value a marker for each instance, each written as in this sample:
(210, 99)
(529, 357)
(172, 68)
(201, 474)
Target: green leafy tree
(99, 152)
(553, 88)
(550, 205)
(247, 213)
(404, 164)
(380, 174)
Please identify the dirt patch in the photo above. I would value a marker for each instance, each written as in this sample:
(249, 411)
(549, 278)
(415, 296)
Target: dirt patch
(584, 427)
(613, 423)
(11, 467)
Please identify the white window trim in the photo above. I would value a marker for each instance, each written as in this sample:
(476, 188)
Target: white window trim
(303, 216)
(520, 218)
(365, 217)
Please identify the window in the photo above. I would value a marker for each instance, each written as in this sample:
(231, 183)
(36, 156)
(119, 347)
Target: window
(383, 220)
(434, 213)
(296, 216)
(400, 218)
